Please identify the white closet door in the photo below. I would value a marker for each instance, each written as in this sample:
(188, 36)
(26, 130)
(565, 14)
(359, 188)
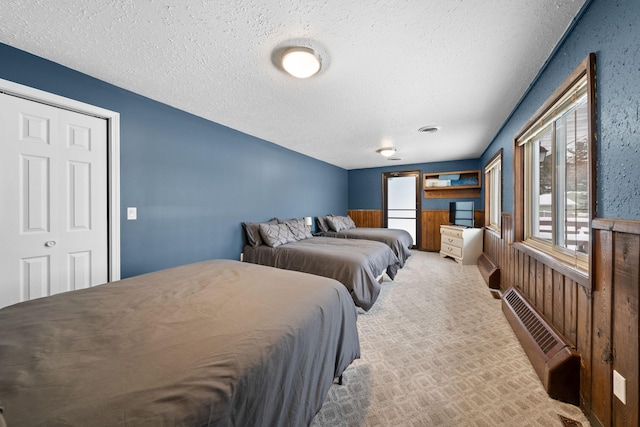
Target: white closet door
(53, 200)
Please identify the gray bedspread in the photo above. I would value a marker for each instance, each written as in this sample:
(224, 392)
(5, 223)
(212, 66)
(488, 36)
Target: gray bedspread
(216, 343)
(400, 241)
(355, 263)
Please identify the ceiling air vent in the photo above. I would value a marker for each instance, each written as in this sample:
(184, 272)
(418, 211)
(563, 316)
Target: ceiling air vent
(429, 129)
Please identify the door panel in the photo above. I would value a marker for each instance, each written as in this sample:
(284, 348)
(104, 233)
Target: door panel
(401, 200)
(35, 278)
(79, 190)
(79, 266)
(53, 189)
(408, 224)
(84, 259)
(401, 193)
(33, 191)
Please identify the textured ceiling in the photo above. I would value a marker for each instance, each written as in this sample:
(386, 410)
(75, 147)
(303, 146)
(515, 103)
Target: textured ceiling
(389, 67)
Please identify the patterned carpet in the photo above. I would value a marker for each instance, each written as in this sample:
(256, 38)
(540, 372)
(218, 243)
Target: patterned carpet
(437, 351)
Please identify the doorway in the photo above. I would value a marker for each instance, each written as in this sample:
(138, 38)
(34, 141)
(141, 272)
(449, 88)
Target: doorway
(60, 194)
(402, 207)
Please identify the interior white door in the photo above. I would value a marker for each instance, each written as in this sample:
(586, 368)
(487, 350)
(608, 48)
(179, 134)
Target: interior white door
(53, 195)
(401, 204)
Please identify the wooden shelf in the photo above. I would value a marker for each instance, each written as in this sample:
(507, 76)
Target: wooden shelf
(452, 191)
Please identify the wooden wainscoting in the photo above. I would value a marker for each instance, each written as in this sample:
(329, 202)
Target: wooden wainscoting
(615, 319)
(601, 322)
(431, 222)
(367, 218)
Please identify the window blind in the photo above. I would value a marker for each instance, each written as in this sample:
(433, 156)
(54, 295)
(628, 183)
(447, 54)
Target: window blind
(571, 98)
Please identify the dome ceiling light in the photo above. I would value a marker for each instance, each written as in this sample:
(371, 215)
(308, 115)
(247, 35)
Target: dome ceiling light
(301, 62)
(387, 152)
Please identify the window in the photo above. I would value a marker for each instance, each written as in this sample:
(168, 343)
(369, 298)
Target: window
(493, 192)
(555, 186)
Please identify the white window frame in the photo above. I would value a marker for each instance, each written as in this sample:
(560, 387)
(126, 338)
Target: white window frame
(493, 193)
(579, 87)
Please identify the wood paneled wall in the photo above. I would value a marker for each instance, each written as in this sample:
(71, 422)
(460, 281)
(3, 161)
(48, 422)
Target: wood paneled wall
(431, 222)
(366, 218)
(598, 316)
(615, 319)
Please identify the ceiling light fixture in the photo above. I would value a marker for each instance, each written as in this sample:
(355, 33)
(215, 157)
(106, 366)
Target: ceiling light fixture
(387, 152)
(301, 62)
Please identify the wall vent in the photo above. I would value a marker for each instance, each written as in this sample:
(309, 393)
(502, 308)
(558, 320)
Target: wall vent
(555, 361)
(489, 270)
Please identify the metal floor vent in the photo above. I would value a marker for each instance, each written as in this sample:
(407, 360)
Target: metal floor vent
(555, 361)
(539, 330)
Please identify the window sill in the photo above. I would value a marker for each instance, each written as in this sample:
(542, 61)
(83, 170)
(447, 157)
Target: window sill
(579, 276)
(493, 230)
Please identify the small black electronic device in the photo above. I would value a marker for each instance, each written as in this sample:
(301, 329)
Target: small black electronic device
(461, 214)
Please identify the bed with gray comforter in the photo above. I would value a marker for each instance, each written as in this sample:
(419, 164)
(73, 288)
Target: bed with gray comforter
(400, 241)
(216, 343)
(357, 264)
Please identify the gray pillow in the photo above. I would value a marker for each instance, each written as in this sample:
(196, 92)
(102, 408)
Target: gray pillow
(275, 235)
(298, 228)
(336, 223)
(321, 222)
(252, 232)
(348, 222)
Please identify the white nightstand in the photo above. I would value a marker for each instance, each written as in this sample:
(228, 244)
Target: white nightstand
(460, 243)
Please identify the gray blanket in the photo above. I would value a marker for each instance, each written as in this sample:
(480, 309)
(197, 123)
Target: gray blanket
(216, 343)
(400, 241)
(355, 263)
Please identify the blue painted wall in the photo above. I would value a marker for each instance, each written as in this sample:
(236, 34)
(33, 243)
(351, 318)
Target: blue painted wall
(192, 180)
(611, 29)
(365, 185)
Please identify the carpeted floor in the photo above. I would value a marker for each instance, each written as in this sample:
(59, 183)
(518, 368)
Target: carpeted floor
(437, 351)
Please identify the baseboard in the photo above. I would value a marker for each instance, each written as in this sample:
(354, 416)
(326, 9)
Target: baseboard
(595, 422)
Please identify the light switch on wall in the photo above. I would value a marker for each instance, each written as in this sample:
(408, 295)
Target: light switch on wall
(620, 387)
(132, 213)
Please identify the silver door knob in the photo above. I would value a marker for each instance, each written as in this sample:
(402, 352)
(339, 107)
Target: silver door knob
(50, 243)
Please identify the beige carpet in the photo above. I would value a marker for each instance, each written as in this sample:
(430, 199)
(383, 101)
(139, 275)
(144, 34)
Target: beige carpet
(437, 351)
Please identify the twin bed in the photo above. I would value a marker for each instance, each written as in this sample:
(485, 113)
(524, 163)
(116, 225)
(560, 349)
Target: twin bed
(214, 343)
(400, 241)
(357, 263)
